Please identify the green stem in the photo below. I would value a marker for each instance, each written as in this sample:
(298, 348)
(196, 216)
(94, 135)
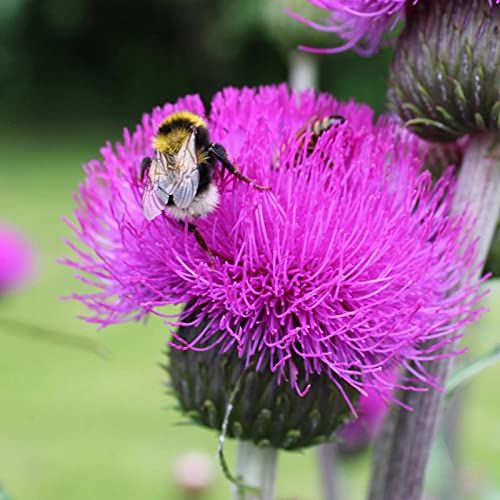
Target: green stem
(327, 454)
(303, 70)
(255, 469)
(402, 452)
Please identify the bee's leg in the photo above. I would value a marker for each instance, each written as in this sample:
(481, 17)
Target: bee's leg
(220, 153)
(145, 165)
(201, 241)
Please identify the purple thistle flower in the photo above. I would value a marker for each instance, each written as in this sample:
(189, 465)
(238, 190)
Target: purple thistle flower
(16, 258)
(360, 23)
(349, 266)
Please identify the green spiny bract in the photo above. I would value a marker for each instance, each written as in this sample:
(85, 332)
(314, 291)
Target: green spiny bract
(264, 412)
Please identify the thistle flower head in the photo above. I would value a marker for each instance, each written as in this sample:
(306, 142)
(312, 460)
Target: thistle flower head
(362, 24)
(16, 258)
(348, 266)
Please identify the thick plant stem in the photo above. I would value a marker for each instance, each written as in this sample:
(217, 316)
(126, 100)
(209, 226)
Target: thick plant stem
(256, 470)
(303, 70)
(403, 449)
(327, 454)
(451, 429)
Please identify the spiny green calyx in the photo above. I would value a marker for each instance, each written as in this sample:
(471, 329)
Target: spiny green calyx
(264, 411)
(445, 75)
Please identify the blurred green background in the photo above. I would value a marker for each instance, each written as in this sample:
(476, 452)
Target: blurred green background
(74, 425)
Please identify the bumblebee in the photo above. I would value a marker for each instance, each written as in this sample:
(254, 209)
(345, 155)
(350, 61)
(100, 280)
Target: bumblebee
(180, 175)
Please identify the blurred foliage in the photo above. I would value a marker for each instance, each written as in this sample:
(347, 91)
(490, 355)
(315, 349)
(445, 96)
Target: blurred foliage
(69, 64)
(3, 494)
(492, 264)
(240, 18)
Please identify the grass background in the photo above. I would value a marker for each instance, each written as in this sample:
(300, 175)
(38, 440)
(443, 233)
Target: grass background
(76, 426)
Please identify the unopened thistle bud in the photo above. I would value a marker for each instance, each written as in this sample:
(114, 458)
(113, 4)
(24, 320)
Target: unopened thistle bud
(445, 76)
(264, 411)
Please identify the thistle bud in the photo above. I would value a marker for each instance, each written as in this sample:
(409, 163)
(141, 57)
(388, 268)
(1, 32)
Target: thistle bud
(445, 76)
(264, 411)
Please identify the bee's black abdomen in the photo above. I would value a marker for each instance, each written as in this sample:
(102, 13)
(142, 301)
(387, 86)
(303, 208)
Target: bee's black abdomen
(202, 137)
(205, 170)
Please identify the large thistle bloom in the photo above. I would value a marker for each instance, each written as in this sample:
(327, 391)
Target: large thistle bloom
(362, 24)
(348, 266)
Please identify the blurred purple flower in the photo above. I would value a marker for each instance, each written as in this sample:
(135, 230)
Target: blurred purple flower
(193, 473)
(360, 23)
(361, 432)
(16, 258)
(349, 266)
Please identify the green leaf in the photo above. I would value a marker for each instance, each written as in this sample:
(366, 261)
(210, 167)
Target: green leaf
(3, 494)
(11, 326)
(467, 372)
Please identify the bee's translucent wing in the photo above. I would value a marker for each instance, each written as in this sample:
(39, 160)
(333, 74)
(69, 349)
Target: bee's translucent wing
(185, 190)
(151, 204)
(181, 178)
(153, 200)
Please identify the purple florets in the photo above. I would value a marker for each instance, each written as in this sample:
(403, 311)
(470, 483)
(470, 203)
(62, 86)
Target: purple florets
(349, 266)
(360, 23)
(16, 258)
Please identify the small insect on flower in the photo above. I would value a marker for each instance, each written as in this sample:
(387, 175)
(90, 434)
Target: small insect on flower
(309, 134)
(317, 128)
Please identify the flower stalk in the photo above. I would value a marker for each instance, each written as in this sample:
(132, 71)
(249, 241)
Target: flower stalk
(256, 469)
(327, 454)
(303, 71)
(403, 450)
